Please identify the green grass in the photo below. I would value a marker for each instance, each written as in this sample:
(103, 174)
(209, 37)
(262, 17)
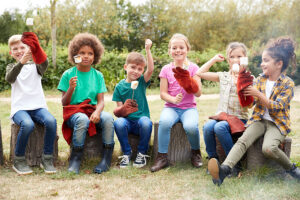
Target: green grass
(181, 181)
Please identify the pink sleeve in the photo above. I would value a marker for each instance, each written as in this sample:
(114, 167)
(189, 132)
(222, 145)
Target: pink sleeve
(163, 72)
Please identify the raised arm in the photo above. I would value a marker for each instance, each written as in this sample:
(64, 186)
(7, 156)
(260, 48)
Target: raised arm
(203, 71)
(150, 64)
(66, 96)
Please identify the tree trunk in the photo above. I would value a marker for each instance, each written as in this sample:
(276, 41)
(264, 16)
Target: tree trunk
(179, 147)
(35, 145)
(53, 31)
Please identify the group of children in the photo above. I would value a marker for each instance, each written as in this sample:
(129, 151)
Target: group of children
(83, 89)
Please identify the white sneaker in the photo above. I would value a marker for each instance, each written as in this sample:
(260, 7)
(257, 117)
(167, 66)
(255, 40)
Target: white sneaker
(125, 160)
(141, 160)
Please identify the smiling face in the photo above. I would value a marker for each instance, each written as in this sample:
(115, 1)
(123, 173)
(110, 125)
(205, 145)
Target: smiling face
(87, 56)
(17, 50)
(235, 55)
(270, 66)
(134, 71)
(178, 50)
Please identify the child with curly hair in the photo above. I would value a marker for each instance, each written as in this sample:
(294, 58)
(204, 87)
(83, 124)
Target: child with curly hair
(83, 88)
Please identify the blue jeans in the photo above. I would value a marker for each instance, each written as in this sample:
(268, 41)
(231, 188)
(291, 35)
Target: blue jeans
(141, 127)
(220, 129)
(79, 122)
(25, 119)
(168, 117)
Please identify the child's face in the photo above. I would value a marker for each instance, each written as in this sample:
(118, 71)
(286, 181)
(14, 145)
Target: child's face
(178, 50)
(235, 55)
(87, 56)
(17, 50)
(269, 65)
(134, 71)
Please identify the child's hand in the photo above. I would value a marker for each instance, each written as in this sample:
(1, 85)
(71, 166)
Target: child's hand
(148, 44)
(250, 91)
(178, 98)
(26, 57)
(95, 117)
(73, 82)
(218, 58)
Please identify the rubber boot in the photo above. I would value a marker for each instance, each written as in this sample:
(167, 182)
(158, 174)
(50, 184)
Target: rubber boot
(217, 171)
(104, 164)
(75, 159)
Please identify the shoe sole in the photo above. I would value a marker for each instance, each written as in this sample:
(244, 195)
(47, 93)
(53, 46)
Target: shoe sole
(46, 171)
(21, 173)
(213, 169)
(138, 165)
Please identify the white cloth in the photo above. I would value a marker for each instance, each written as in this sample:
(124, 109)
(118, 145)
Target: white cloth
(269, 88)
(27, 92)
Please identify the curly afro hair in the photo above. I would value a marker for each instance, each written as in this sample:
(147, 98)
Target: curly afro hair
(85, 39)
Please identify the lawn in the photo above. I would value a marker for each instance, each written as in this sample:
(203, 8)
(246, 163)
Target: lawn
(181, 181)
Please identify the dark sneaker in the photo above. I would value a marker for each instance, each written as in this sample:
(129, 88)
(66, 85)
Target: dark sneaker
(125, 160)
(217, 171)
(20, 166)
(295, 172)
(47, 164)
(141, 160)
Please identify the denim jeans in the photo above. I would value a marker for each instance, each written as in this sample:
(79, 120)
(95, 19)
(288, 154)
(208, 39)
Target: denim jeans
(79, 122)
(220, 129)
(168, 117)
(25, 119)
(141, 127)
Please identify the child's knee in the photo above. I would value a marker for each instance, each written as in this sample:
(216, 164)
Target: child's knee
(270, 150)
(27, 125)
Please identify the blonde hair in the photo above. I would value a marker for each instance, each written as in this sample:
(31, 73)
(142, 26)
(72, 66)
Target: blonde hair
(14, 39)
(234, 45)
(135, 58)
(182, 37)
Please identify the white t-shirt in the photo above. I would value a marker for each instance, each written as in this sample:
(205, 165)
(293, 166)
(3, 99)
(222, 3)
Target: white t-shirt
(27, 92)
(269, 87)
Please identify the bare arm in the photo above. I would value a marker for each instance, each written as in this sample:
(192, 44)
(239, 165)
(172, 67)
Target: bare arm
(198, 80)
(164, 95)
(66, 96)
(95, 117)
(150, 64)
(203, 71)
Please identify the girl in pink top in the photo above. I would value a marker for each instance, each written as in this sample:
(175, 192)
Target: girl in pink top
(178, 87)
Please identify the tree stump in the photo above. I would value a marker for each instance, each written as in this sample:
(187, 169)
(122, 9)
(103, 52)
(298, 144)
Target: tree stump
(134, 142)
(1, 147)
(256, 159)
(220, 150)
(35, 145)
(179, 148)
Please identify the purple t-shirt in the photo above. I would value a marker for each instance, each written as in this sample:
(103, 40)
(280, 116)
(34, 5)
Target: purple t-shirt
(188, 100)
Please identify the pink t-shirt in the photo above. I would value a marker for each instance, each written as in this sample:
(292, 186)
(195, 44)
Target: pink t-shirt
(188, 100)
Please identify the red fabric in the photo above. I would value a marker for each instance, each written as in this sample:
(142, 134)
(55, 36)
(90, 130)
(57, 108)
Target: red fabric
(185, 80)
(244, 80)
(38, 54)
(236, 125)
(130, 106)
(70, 110)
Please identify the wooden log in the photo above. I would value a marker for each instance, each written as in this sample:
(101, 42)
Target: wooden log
(35, 145)
(93, 146)
(134, 142)
(179, 148)
(256, 159)
(1, 148)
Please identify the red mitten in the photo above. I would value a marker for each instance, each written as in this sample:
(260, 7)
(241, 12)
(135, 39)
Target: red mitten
(38, 54)
(130, 106)
(244, 80)
(185, 80)
(236, 125)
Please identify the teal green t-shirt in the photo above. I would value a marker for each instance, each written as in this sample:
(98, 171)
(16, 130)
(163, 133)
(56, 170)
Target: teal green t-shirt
(123, 92)
(88, 86)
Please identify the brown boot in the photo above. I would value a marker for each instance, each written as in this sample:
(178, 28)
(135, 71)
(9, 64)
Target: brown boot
(161, 162)
(196, 158)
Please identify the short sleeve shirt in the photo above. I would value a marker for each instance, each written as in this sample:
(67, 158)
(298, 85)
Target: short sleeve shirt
(89, 85)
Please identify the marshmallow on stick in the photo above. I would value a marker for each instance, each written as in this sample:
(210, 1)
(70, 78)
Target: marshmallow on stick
(134, 85)
(77, 59)
(29, 21)
(235, 68)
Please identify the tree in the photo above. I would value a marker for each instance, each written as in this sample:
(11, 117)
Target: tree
(53, 31)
